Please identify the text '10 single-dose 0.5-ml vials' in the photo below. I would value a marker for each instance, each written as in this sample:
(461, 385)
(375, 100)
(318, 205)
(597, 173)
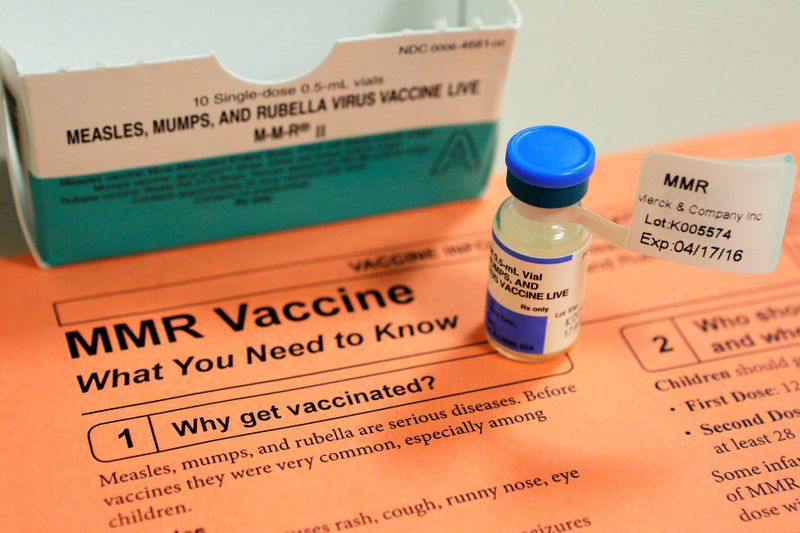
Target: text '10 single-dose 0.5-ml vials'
(538, 266)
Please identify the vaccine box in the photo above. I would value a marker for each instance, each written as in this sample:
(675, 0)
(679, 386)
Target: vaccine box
(133, 126)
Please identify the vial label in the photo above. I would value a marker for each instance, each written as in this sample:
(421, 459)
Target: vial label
(534, 303)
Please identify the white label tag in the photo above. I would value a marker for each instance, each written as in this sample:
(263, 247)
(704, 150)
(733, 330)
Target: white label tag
(725, 215)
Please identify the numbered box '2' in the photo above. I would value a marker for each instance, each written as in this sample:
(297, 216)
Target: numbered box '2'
(659, 345)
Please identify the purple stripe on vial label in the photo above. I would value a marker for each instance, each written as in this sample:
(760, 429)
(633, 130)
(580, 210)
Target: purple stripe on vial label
(518, 332)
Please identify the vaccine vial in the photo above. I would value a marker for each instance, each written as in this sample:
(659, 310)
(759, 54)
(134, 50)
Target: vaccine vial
(537, 266)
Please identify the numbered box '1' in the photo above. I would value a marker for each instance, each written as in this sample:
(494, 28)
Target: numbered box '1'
(659, 345)
(122, 439)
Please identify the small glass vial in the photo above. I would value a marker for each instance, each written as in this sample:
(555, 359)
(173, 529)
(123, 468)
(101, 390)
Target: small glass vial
(537, 266)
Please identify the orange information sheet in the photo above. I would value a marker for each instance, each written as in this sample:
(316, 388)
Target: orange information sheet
(337, 378)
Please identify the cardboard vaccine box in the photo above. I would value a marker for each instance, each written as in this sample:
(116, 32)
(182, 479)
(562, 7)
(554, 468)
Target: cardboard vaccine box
(147, 131)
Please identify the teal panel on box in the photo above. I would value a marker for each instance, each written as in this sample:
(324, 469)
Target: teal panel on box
(134, 210)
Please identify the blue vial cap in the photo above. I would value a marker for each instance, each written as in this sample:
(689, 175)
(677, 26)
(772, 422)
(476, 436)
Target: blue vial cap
(549, 166)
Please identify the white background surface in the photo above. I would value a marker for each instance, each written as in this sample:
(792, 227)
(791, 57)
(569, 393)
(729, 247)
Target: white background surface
(627, 74)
